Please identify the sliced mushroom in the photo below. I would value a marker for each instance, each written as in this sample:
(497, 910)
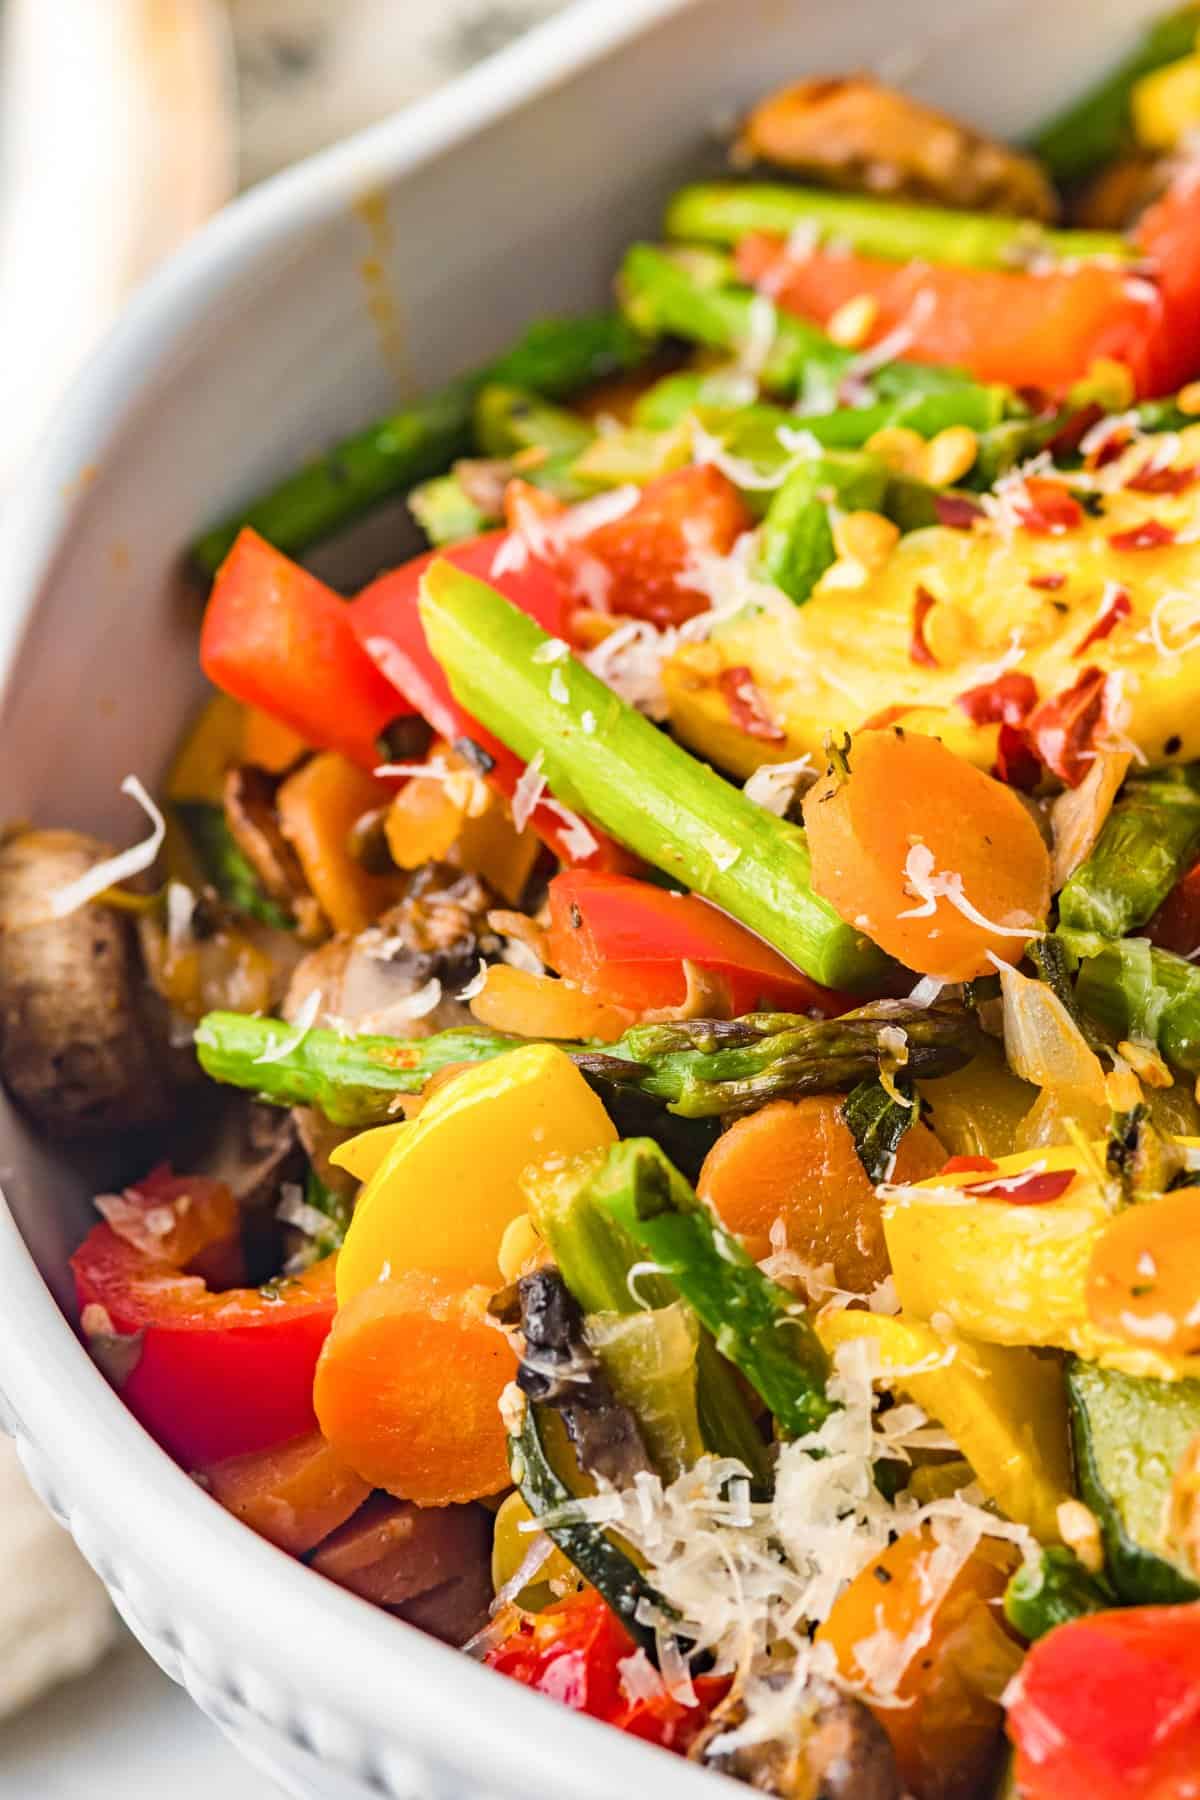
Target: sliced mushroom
(429, 1565)
(249, 800)
(834, 1749)
(558, 1369)
(852, 132)
(83, 1036)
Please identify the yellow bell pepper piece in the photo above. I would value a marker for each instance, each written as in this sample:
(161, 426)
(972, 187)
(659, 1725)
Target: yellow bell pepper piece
(808, 666)
(1012, 1274)
(511, 1544)
(361, 1156)
(977, 1110)
(1005, 1408)
(1165, 105)
(449, 1185)
(211, 746)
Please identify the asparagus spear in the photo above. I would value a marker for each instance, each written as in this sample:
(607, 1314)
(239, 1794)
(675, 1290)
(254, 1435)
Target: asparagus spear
(699, 1068)
(445, 511)
(554, 358)
(757, 1325)
(797, 538)
(1148, 840)
(1051, 1591)
(597, 1261)
(224, 865)
(724, 212)
(605, 760)
(1093, 129)
(1140, 992)
(510, 419)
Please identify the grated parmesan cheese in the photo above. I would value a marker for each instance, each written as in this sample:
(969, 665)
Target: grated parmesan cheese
(305, 1019)
(930, 885)
(114, 869)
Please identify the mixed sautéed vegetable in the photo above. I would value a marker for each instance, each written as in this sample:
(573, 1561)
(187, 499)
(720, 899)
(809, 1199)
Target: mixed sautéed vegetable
(663, 1033)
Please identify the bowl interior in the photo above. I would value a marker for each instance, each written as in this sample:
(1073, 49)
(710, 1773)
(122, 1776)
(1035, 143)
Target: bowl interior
(325, 298)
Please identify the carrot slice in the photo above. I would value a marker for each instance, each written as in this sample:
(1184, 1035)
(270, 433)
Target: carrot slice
(318, 805)
(943, 1715)
(293, 1494)
(793, 1166)
(1141, 1283)
(938, 863)
(408, 1389)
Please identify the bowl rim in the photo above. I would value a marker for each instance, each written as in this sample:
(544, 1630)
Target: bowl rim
(324, 1648)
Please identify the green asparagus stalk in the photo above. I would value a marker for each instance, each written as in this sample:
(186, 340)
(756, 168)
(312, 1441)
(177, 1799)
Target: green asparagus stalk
(554, 359)
(510, 419)
(725, 212)
(698, 1068)
(1149, 839)
(1052, 1591)
(662, 298)
(1093, 129)
(597, 1261)
(797, 537)
(1137, 991)
(762, 1330)
(605, 760)
(224, 865)
(445, 511)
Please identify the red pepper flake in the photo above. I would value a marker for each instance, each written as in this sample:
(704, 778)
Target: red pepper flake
(747, 708)
(1033, 1189)
(1006, 701)
(1110, 447)
(1049, 582)
(918, 649)
(1016, 763)
(1063, 729)
(962, 1165)
(1149, 480)
(1119, 607)
(1046, 507)
(957, 511)
(1151, 534)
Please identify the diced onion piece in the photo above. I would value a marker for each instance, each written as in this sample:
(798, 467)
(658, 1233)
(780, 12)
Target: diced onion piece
(1042, 1042)
(1077, 816)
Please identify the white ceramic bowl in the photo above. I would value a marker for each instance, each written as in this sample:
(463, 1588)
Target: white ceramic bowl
(510, 194)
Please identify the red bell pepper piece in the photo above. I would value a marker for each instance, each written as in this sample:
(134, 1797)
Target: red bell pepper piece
(1176, 924)
(626, 942)
(1108, 1708)
(277, 638)
(1043, 330)
(1168, 235)
(1064, 728)
(1034, 1187)
(639, 564)
(388, 625)
(209, 1374)
(573, 1652)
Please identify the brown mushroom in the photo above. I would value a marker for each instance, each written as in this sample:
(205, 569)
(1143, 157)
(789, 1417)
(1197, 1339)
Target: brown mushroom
(429, 1565)
(249, 799)
(83, 1036)
(852, 132)
(833, 1749)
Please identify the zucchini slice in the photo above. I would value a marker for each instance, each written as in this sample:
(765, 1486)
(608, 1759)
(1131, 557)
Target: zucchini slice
(1129, 1434)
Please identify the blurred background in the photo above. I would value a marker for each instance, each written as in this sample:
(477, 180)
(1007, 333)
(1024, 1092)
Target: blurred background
(124, 124)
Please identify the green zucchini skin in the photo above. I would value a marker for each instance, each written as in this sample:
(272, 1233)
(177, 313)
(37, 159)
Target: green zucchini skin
(1128, 1434)
(611, 1572)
